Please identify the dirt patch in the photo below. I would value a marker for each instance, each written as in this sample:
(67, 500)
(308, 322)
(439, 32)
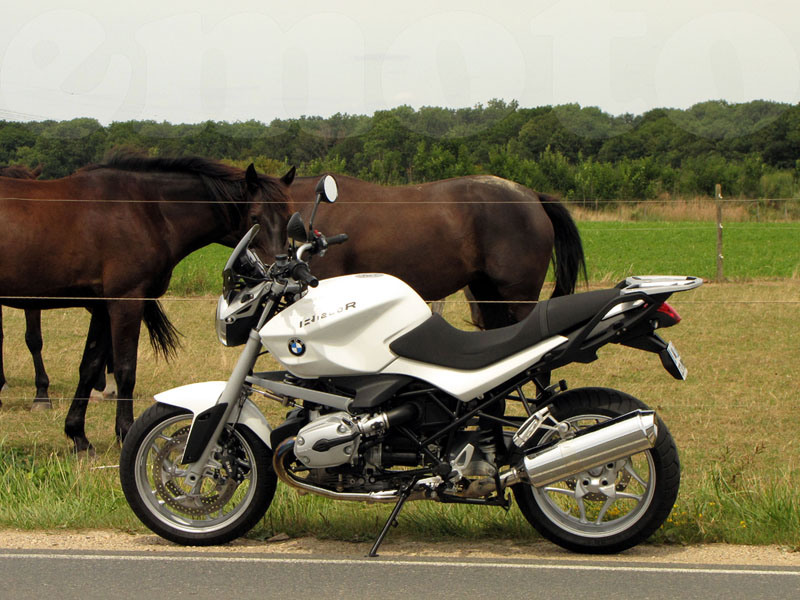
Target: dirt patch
(103, 540)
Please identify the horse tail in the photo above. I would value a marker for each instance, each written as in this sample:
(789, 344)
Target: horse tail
(568, 259)
(164, 337)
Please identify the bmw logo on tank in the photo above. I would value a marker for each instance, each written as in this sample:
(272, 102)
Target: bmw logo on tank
(297, 347)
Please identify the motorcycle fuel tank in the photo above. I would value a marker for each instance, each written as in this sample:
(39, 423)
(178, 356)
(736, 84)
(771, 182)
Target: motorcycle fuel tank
(344, 326)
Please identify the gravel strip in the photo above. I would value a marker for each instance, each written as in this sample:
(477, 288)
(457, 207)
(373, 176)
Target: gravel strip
(106, 540)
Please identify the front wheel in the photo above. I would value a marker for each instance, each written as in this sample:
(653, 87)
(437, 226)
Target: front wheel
(232, 495)
(612, 507)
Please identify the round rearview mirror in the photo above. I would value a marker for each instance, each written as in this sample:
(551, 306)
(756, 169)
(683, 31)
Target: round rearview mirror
(327, 190)
(331, 189)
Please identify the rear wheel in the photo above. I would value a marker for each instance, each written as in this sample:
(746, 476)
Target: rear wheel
(232, 495)
(612, 507)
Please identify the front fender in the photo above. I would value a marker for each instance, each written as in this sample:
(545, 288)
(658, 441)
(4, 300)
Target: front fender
(200, 397)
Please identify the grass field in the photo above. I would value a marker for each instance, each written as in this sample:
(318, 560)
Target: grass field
(735, 420)
(615, 250)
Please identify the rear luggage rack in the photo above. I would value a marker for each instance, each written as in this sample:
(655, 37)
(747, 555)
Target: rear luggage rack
(659, 284)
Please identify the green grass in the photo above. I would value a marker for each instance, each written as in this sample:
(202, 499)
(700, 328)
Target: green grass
(200, 272)
(47, 490)
(614, 250)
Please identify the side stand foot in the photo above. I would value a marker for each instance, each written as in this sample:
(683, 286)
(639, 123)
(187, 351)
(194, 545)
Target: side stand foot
(392, 520)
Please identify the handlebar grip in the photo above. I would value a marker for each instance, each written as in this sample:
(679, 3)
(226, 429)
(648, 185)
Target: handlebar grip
(337, 239)
(301, 273)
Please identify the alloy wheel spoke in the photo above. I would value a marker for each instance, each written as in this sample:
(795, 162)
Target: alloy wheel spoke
(582, 509)
(630, 496)
(611, 497)
(632, 472)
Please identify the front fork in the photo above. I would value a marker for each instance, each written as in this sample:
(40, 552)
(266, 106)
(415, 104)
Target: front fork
(205, 433)
(207, 427)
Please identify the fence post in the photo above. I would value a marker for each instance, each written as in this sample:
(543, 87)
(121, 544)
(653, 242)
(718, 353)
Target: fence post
(718, 199)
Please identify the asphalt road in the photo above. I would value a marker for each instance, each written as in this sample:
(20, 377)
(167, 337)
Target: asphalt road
(86, 575)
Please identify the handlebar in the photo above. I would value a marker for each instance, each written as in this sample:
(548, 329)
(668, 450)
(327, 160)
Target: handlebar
(319, 244)
(337, 239)
(300, 272)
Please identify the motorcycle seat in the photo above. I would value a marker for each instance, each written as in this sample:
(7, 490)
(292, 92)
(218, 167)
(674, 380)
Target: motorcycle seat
(437, 342)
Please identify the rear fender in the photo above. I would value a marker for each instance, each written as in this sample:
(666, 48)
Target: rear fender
(198, 398)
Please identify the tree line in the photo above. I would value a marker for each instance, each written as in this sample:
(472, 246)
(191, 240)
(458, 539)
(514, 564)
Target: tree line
(580, 153)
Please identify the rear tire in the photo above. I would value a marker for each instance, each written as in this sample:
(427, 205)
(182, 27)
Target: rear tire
(234, 493)
(613, 507)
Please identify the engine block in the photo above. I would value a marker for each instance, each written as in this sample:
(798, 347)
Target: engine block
(329, 441)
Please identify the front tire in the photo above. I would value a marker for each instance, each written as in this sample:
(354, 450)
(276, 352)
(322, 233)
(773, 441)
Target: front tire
(234, 492)
(613, 507)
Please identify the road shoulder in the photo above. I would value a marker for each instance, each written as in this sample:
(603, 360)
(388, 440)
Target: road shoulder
(700, 554)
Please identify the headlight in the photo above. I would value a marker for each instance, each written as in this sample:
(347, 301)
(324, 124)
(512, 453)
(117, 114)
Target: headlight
(238, 314)
(222, 333)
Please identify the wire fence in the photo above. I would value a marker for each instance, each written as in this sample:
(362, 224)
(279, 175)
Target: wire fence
(588, 203)
(589, 229)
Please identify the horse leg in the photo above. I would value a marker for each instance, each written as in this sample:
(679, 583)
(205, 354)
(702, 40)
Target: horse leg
(126, 319)
(99, 386)
(488, 311)
(3, 385)
(105, 388)
(92, 363)
(437, 306)
(33, 339)
(110, 389)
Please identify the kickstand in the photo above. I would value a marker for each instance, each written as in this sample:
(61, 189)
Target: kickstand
(392, 520)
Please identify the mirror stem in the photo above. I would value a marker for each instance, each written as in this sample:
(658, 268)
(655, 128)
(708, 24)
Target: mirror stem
(313, 215)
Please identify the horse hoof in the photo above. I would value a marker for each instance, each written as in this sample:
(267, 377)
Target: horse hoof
(4, 388)
(87, 452)
(104, 396)
(41, 405)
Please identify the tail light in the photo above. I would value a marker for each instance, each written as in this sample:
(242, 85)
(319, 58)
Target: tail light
(668, 316)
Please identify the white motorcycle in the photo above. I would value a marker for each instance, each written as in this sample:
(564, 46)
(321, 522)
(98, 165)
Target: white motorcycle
(391, 403)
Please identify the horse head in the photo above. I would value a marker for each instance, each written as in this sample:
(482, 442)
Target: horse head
(270, 205)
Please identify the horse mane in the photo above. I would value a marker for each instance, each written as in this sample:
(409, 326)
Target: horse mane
(225, 184)
(20, 172)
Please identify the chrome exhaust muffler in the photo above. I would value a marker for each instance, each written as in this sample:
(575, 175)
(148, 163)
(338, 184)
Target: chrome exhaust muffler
(591, 447)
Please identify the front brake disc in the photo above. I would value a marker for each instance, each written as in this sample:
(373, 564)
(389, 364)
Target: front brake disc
(168, 482)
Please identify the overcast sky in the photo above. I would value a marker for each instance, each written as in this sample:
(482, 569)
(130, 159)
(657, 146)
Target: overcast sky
(239, 60)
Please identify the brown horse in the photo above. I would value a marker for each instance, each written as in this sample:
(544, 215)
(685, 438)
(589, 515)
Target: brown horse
(108, 237)
(21, 172)
(33, 318)
(492, 235)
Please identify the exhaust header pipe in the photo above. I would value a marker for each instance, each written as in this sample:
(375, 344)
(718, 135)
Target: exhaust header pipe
(286, 450)
(592, 447)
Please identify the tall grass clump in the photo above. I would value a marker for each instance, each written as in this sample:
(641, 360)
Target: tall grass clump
(754, 511)
(44, 490)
